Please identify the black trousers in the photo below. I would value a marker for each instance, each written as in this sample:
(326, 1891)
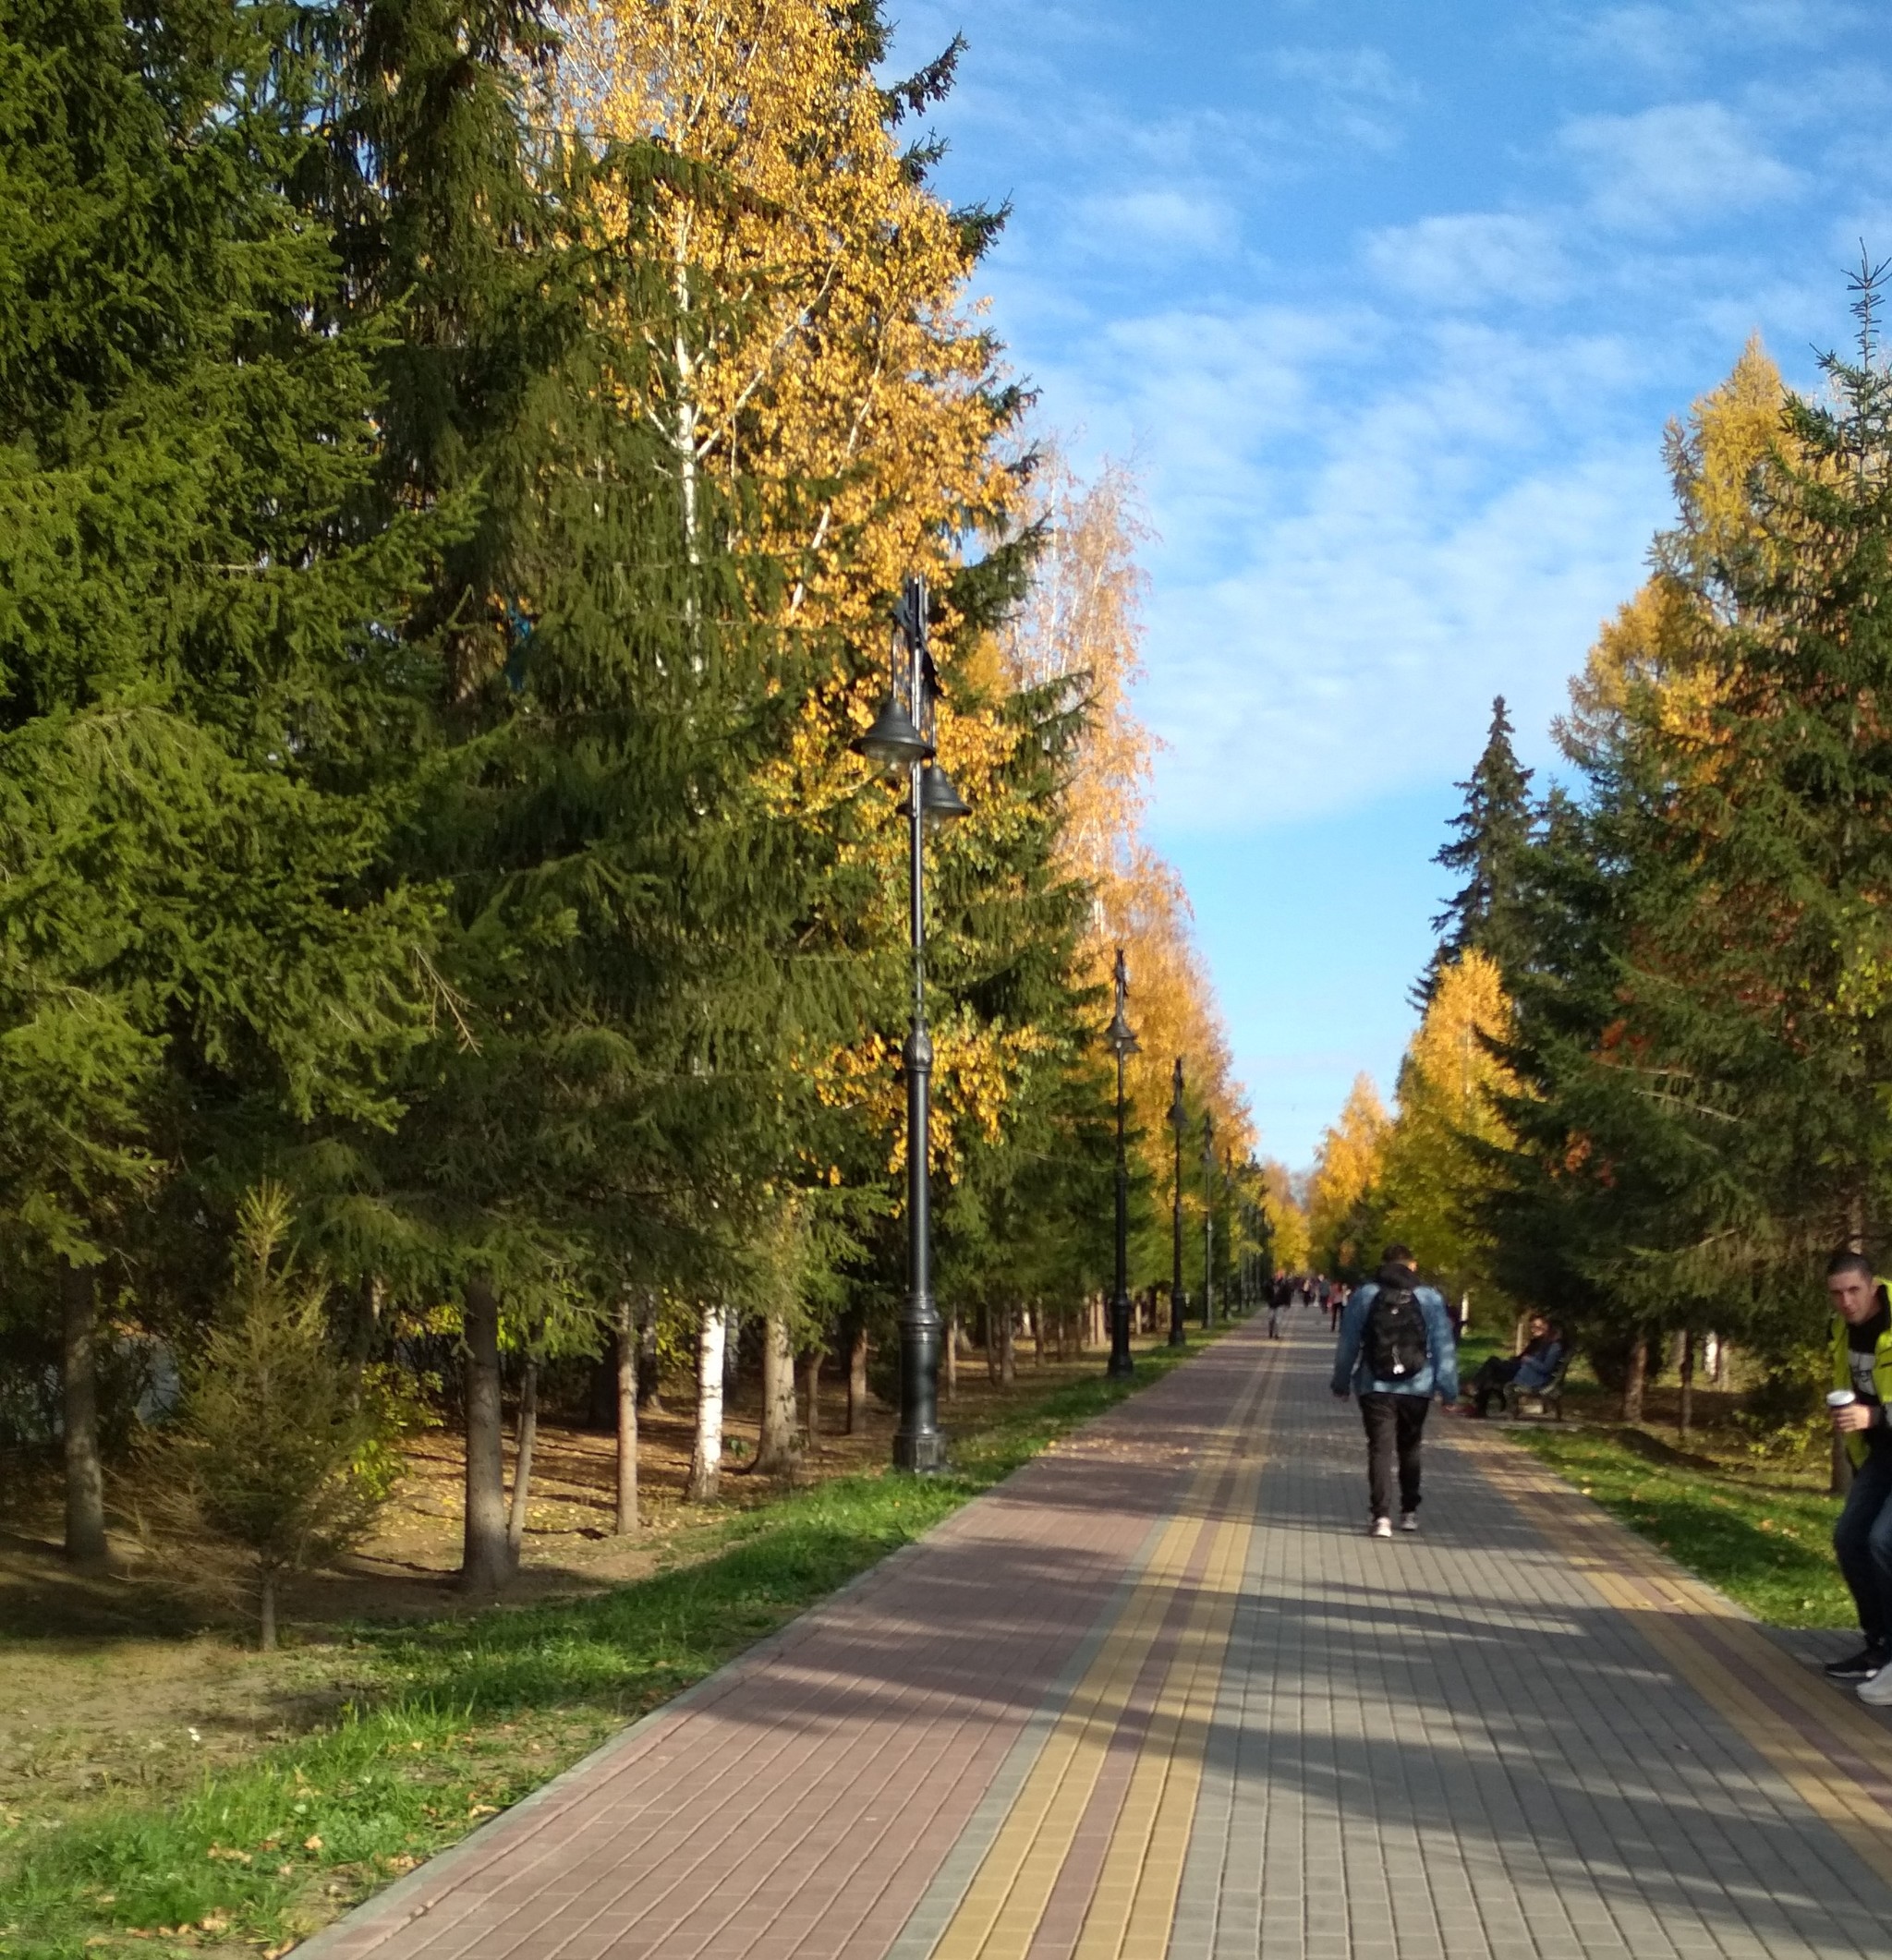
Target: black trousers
(1395, 1424)
(1862, 1541)
(1497, 1373)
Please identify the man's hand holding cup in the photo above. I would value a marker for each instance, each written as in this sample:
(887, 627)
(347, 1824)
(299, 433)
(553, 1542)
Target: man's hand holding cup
(1848, 1411)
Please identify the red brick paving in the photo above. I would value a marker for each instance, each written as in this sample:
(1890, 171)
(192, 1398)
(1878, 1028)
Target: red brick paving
(800, 1801)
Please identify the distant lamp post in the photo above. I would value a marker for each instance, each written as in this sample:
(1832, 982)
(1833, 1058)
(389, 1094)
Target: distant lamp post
(1179, 1116)
(900, 741)
(1123, 1045)
(1208, 1219)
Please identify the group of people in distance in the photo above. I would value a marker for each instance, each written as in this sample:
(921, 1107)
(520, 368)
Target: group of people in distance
(1312, 1290)
(1398, 1349)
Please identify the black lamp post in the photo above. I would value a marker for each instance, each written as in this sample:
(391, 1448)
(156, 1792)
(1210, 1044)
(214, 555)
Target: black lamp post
(900, 741)
(1208, 1219)
(1178, 1116)
(1123, 1045)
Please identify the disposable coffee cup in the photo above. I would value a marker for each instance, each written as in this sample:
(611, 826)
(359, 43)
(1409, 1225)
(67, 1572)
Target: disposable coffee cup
(1840, 1398)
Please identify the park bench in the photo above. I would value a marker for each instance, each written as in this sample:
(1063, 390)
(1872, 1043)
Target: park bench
(1550, 1398)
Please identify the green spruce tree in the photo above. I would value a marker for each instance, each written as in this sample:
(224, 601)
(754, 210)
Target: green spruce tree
(1493, 831)
(200, 954)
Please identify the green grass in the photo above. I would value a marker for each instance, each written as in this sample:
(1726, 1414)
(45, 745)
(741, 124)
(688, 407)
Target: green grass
(1761, 1539)
(457, 1719)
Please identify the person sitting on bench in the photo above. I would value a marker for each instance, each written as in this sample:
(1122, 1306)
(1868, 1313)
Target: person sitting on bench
(1533, 1370)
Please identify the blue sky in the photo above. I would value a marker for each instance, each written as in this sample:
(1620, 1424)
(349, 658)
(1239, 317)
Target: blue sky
(1389, 305)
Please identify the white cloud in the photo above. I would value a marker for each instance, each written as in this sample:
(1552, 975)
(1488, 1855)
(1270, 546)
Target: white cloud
(1354, 94)
(1681, 161)
(1367, 533)
(1469, 259)
(1156, 224)
(1654, 39)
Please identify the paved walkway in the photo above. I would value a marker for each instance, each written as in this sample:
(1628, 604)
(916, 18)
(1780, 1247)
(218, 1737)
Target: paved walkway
(1159, 1696)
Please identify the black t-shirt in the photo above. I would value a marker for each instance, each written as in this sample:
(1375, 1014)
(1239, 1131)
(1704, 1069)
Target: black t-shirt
(1861, 1343)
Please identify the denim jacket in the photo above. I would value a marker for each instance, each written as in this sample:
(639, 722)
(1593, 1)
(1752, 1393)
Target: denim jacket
(1536, 1370)
(1440, 1373)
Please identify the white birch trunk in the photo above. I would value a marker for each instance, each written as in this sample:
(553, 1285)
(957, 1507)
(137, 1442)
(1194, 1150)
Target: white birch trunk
(706, 1461)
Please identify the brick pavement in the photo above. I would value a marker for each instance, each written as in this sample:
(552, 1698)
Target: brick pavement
(1158, 1695)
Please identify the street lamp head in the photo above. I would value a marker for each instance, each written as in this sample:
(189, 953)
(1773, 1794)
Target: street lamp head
(1119, 1034)
(892, 743)
(939, 799)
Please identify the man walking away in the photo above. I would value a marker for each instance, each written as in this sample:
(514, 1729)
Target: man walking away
(1279, 1296)
(1396, 1352)
(1862, 1538)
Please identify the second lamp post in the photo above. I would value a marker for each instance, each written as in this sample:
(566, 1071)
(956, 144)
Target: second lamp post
(1123, 1045)
(901, 742)
(1179, 1116)
(1208, 1219)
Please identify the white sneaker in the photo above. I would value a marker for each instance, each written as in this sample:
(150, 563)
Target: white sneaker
(1408, 1520)
(1875, 1691)
(1383, 1528)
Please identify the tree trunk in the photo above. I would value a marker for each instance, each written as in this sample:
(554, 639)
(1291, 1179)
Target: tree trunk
(705, 1460)
(85, 1476)
(775, 1450)
(953, 1358)
(627, 1345)
(1037, 1337)
(266, 1614)
(1685, 1402)
(1007, 1347)
(989, 1318)
(484, 1564)
(731, 1351)
(522, 1461)
(1635, 1378)
(857, 1379)
(811, 1396)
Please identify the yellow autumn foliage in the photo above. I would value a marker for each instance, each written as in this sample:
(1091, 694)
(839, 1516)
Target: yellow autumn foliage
(1345, 1171)
(1081, 623)
(1432, 1173)
(1653, 656)
(827, 355)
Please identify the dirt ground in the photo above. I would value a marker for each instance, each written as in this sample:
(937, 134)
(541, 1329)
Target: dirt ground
(124, 1681)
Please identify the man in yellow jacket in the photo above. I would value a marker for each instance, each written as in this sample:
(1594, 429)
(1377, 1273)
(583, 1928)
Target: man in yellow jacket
(1861, 1412)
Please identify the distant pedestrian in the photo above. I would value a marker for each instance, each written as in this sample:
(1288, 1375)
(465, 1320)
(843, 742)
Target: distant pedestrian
(1281, 1296)
(1863, 1537)
(1396, 1352)
(1337, 1296)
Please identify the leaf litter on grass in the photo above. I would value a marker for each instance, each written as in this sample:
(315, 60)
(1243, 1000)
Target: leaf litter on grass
(1765, 1545)
(454, 1719)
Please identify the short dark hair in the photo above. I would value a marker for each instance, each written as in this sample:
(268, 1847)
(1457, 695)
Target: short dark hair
(1847, 1261)
(1398, 1255)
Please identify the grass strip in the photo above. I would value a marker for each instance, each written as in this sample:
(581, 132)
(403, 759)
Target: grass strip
(454, 1719)
(1761, 1539)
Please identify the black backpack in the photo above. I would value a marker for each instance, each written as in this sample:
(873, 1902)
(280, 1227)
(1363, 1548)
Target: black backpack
(1396, 1344)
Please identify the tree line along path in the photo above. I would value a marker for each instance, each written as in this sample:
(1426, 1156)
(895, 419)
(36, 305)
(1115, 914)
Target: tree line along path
(1158, 1696)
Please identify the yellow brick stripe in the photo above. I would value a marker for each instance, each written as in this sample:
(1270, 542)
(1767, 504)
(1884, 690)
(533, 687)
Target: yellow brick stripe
(999, 1914)
(1131, 1914)
(1838, 1760)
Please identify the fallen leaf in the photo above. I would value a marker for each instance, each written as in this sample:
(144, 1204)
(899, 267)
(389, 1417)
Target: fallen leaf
(311, 1843)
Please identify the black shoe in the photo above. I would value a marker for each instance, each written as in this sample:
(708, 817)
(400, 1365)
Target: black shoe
(1860, 1666)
